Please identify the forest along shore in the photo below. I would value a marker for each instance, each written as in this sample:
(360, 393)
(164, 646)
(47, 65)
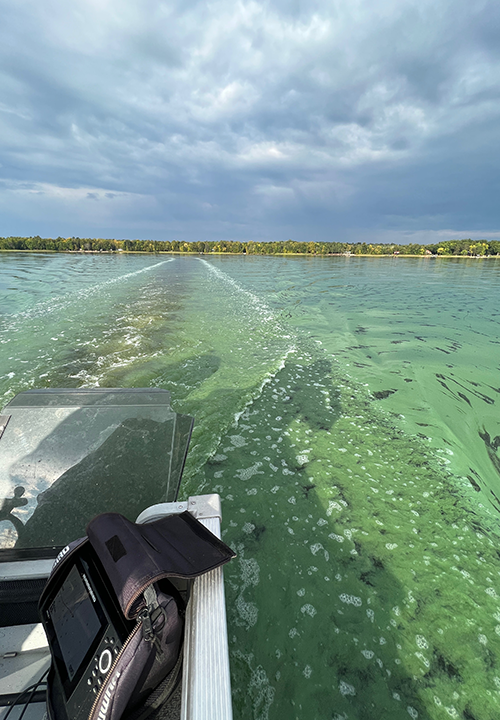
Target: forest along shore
(449, 248)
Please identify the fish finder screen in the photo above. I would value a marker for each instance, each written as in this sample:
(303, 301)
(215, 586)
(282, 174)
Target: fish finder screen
(75, 621)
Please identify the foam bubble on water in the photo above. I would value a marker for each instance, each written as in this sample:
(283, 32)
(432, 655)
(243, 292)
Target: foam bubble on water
(275, 489)
(351, 600)
(338, 538)
(412, 712)
(308, 609)
(421, 642)
(293, 632)
(452, 711)
(238, 440)
(219, 457)
(307, 671)
(249, 571)
(368, 654)
(247, 611)
(332, 505)
(248, 528)
(423, 659)
(292, 500)
(317, 547)
(262, 693)
(482, 639)
(346, 689)
(247, 473)
(391, 546)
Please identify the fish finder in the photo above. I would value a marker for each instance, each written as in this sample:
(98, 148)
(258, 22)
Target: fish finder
(85, 629)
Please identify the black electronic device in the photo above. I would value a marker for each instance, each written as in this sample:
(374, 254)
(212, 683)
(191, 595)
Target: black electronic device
(113, 623)
(86, 629)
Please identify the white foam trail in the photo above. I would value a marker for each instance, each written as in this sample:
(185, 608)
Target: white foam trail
(56, 303)
(258, 391)
(255, 299)
(269, 316)
(88, 380)
(136, 272)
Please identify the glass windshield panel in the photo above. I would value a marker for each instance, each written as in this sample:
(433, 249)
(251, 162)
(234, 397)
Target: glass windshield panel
(68, 455)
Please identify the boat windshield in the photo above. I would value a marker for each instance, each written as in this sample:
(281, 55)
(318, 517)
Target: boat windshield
(68, 455)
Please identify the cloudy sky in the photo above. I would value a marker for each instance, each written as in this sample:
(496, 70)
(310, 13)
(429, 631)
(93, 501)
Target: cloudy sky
(320, 120)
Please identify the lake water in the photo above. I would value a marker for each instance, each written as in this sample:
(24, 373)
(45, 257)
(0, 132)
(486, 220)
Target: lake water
(347, 413)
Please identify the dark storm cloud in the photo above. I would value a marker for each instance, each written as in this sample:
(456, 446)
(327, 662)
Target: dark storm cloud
(306, 120)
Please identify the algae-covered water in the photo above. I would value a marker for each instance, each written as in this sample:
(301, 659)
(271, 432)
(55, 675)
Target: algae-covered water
(347, 413)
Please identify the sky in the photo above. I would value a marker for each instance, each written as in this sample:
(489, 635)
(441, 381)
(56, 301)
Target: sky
(325, 120)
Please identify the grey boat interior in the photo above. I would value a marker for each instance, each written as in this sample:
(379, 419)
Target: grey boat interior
(65, 457)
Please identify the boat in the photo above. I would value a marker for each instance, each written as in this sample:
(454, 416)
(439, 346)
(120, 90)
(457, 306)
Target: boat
(67, 455)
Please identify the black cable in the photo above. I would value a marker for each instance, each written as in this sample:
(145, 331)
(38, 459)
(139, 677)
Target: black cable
(32, 690)
(18, 698)
(37, 685)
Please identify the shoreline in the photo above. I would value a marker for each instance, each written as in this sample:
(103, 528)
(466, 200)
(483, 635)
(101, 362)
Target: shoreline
(288, 254)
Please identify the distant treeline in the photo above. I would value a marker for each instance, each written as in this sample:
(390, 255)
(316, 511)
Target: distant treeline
(470, 248)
